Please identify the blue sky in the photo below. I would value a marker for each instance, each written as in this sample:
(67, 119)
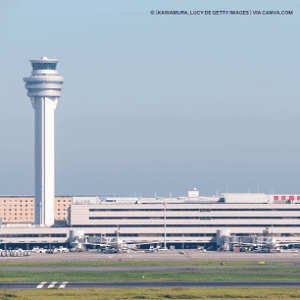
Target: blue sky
(155, 103)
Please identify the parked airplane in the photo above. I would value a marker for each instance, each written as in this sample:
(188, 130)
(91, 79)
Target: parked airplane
(268, 245)
(104, 244)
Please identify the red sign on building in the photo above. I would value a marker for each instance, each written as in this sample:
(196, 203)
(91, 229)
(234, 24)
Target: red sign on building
(283, 197)
(275, 197)
(291, 198)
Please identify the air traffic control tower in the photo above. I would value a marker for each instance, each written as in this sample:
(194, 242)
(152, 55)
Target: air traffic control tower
(44, 88)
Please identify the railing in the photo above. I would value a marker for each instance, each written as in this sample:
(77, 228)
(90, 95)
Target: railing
(14, 225)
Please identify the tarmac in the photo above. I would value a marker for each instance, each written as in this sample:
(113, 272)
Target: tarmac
(146, 284)
(171, 255)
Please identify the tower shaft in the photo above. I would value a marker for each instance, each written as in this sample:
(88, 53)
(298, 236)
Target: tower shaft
(44, 159)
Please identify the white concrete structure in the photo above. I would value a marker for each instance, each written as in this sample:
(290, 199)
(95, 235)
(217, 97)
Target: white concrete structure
(191, 220)
(247, 198)
(44, 87)
(194, 221)
(193, 194)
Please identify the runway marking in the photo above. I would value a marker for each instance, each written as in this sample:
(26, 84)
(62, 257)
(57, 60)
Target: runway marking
(52, 284)
(63, 285)
(41, 285)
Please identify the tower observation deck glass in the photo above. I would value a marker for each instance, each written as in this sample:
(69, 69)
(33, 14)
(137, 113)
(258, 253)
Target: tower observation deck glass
(43, 66)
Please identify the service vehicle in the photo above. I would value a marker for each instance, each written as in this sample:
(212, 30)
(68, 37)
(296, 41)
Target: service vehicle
(41, 250)
(62, 249)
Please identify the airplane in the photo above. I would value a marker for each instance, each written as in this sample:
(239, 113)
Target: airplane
(107, 246)
(268, 245)
(118, 245)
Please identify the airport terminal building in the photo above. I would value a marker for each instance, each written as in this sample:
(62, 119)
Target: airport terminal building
(183, 222)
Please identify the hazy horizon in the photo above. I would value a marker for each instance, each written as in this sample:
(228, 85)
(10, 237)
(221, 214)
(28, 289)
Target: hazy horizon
(155, 103)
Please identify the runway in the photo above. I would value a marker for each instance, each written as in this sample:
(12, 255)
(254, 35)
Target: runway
(145, 284)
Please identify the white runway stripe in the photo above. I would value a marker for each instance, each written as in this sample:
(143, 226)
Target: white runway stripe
(63, 285)
(41, 285)
(52, 284)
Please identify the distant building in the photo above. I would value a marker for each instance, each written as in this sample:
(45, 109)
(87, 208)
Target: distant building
(21, 209)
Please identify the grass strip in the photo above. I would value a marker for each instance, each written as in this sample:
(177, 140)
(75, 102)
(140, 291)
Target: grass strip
(175, 293)
(49, 276)
(287, 270)
(138, 263)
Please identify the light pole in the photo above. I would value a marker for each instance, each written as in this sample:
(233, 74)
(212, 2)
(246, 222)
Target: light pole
(165, 225)
(41, 205)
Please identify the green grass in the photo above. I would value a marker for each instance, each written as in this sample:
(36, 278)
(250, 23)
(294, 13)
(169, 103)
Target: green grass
(38, 276)
(138, 263)
(288, 270)
(175, 293)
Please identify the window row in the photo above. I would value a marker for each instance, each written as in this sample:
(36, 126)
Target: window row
(187, 218)
(192, 209)
(189, 225)
(18, 235)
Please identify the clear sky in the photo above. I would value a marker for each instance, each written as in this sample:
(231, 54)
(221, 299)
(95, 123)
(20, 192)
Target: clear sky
(155, 103)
